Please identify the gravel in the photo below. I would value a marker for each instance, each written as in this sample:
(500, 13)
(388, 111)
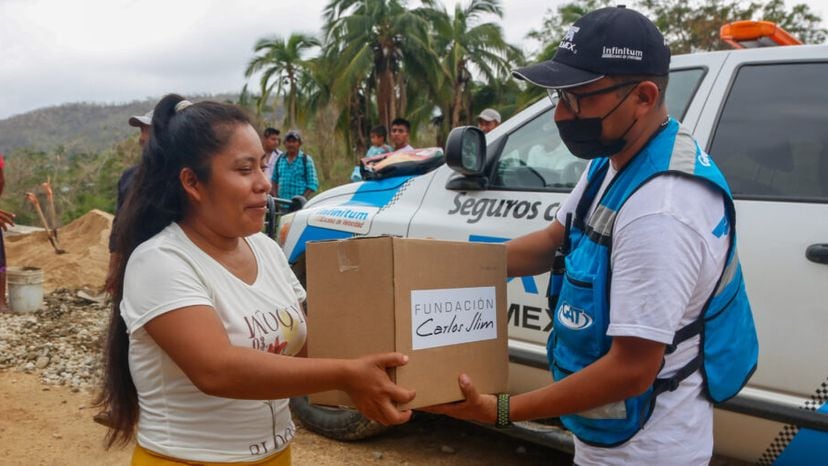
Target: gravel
(62, 342)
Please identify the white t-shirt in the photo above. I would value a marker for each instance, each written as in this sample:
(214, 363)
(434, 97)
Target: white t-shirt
(168, 272)
(666, 261)
(271, 164)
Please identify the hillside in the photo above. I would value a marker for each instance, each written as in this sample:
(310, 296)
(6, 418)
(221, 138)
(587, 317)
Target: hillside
(78, 127)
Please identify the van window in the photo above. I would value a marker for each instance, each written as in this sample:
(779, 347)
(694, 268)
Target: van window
(680, 90)
(535, 158)
(771, 139)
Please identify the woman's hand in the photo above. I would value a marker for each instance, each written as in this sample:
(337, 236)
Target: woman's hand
(476, 407)
(373, 392)
(6, 220)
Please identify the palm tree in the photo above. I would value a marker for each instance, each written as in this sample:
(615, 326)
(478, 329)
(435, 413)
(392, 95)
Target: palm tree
(371, 40)
(469, 49)
(282, 64)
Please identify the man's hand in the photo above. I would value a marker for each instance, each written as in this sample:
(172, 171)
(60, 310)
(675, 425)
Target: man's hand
(475, 407)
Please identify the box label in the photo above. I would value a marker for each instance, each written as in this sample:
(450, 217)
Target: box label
(452, 316)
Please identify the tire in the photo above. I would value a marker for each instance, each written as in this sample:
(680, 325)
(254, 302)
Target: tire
(336, 423)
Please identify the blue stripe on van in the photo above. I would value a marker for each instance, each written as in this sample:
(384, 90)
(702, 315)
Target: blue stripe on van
(806, 447)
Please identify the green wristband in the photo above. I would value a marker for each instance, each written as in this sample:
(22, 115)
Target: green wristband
(503, 419)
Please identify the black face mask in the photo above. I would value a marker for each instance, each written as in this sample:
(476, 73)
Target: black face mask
(582, 136)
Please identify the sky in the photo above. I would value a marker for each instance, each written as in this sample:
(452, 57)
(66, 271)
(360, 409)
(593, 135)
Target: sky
(61, 51)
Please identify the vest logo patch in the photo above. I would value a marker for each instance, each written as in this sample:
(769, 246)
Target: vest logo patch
(573, 318)
(704, 159)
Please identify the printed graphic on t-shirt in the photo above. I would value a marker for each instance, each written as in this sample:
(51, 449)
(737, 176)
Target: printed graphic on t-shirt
(280, 439)
(278, 331)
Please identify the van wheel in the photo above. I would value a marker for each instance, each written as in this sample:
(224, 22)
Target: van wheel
(337, 423)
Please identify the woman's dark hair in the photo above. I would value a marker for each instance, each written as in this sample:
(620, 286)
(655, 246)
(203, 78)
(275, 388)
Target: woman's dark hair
(182, 136)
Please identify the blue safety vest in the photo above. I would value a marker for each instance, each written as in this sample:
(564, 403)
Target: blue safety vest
(580, 293)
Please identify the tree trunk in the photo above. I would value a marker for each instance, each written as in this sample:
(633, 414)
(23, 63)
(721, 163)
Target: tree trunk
(292, 108)
(385, 97)
(402, 106)
(456, 104)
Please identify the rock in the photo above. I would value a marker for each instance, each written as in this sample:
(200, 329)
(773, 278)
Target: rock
(447, 450)
(520, 450)
(377, 455)
(62, 340)
(57, 436)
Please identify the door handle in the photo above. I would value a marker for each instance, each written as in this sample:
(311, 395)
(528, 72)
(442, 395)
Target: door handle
(817, 253)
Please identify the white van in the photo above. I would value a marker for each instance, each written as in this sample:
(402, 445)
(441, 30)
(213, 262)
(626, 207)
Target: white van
(762, 114)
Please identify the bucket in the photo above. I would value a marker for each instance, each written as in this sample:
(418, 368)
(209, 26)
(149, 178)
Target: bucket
(25, 288)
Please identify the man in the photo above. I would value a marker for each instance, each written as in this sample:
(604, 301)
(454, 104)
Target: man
(488, 120)
(646, 240)
(400, 129)
(294, 173)
(144, 124)
(271, 141)
(6, 221)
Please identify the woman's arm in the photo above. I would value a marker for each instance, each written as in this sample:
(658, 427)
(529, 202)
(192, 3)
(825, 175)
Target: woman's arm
(195, 339)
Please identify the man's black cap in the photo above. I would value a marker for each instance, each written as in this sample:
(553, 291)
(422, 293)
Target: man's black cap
(608, 41)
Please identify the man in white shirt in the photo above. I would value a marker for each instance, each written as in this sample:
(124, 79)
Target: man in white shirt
(400, 129)
(271, 140)
(646, 236)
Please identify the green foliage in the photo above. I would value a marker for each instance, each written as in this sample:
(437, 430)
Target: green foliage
(80, 182)
(691, 25)
(283, 66)
(378, 59)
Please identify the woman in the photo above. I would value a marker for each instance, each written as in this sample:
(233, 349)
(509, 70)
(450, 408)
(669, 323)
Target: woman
(207, 312)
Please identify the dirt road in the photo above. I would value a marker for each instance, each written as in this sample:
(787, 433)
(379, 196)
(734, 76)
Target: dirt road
(47, 426)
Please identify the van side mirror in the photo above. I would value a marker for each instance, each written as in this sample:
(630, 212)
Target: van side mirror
(466, 151)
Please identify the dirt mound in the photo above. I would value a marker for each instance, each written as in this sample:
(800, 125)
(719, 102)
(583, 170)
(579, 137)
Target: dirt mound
(87, 254)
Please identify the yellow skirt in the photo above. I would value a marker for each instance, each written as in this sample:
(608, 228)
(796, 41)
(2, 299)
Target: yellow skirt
(143, 457)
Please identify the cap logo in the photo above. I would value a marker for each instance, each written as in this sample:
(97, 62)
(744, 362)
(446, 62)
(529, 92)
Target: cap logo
(568, 41)
(622, 53)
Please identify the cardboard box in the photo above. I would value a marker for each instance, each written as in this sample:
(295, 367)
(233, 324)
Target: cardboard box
(443, 303)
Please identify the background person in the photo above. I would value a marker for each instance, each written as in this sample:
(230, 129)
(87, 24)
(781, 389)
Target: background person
(378, 144)
(488, 120)
(378, 147)
(666, 211)
(207, 312)
(294, 173)
(400, 132)
(271, 140)
(6, 221)
(144, 124)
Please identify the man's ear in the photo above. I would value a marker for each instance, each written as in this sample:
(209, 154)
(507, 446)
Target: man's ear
(648, 95)
(189, 181)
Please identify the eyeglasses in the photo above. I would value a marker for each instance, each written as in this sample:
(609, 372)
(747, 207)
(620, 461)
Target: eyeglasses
(572, 99)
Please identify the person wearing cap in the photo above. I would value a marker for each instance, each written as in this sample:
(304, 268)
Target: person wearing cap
(144, 124)
(645, 242)
(294, 173)
(488, 120)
